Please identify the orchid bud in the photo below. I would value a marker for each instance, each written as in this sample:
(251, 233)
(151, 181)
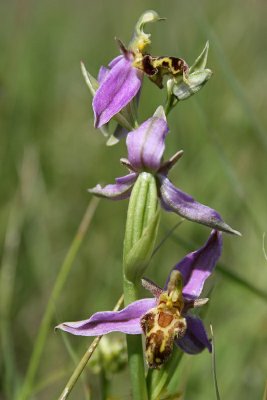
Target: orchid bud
(110, 356)
(141, 226)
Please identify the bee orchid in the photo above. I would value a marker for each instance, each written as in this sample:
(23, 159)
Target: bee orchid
(146, 146)
(165, 320)
(121, 82)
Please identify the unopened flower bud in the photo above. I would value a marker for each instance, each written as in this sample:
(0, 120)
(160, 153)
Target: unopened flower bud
(110, 356)
(141, 227)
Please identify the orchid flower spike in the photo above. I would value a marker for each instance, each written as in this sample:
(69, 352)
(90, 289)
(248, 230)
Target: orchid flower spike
(165, 320)
(146, 146)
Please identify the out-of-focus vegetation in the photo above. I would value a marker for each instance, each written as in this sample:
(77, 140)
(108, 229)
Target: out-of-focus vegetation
(50, 154)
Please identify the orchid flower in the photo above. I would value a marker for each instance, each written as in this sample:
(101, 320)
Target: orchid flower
(164, 319)
(118, 86)
(146, 146)
(121, 82)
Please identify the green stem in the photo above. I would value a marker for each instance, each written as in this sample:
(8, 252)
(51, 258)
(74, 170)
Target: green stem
(49, 312)
(139, 241)
(105, 384)
(158, 380)
(135, 350)
(82, 364)
(171, 100)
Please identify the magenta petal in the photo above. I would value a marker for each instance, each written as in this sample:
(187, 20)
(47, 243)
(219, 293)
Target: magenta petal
(197, 266)
(119, 191)
(146, 144)
(115, 61)
(126, 321)
(117, 89)
(195, 339)
(173, 199)
(127, 179)
(102, 74)
(103, 71)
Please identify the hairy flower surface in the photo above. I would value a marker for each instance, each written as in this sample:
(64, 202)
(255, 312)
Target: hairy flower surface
(146, 146)
(164, 319)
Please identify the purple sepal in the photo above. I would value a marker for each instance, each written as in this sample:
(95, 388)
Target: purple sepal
(120, 132)
(102, 74)
(197, 266)
(146, 144)
(103, 71)
(195, 339)
(173, 199)
(118, 191)
(126, 321)
(115, 61)
(117, 89)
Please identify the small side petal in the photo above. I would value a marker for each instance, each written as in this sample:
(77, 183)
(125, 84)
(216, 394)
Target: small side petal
(126, 321)
(119, 191)
(173, 199)
(118, 88)
(147, 143)
(197, 266)
(195, 339)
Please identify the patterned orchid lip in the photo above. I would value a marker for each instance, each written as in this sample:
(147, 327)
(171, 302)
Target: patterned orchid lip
(194, 269)
(146, 146)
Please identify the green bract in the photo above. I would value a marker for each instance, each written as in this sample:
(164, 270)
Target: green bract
(184, 87)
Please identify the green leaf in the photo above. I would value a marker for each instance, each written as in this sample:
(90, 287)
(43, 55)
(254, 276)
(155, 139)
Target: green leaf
(90, 81)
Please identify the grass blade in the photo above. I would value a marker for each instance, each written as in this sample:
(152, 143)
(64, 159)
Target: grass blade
(49, 312)
(214, 365)
(82, 364)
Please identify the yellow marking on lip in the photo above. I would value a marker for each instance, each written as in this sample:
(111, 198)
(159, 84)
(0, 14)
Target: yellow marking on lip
(163, 344)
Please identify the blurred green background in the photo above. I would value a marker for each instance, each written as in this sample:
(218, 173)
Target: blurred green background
(50, 154)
